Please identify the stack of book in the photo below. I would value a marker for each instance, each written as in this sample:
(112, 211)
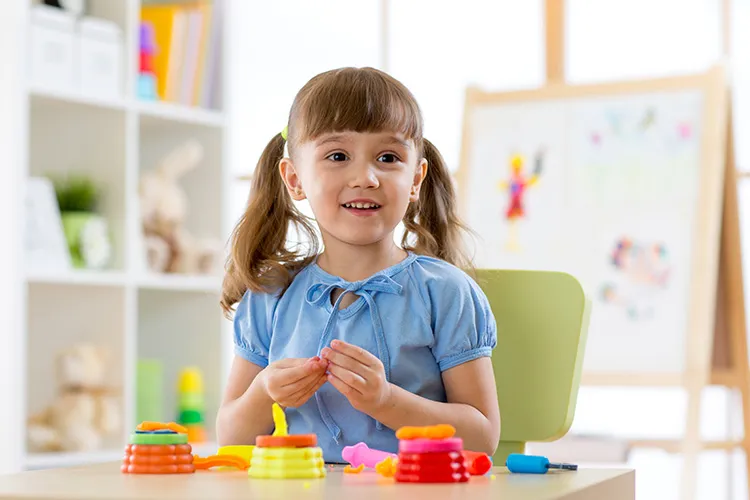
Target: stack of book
(187, 39)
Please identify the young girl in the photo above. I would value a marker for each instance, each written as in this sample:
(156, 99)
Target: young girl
(366, 336)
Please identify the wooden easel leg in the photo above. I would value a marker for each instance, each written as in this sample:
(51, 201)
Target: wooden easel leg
(692, 442)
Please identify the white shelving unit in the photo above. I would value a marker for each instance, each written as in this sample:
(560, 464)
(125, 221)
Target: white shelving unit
(175, 319)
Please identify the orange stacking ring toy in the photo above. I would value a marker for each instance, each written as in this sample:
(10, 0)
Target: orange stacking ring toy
(154, 449)
(158, 469)
(289, 441)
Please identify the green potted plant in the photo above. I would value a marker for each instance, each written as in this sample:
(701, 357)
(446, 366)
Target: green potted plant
(85, 229)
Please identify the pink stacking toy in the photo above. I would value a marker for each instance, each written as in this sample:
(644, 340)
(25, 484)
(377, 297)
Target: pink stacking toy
(431, 445)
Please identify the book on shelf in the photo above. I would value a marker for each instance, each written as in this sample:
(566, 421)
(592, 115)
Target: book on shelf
(182, 55)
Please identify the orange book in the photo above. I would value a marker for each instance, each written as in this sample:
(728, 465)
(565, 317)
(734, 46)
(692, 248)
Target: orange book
(162, 17)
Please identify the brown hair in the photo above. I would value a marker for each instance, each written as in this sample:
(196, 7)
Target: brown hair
(356, 99)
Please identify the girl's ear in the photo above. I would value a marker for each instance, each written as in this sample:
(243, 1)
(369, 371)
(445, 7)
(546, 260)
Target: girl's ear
(419, 176)
(291, 179)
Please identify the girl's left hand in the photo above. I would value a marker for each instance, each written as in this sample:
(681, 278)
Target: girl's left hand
(358, 375)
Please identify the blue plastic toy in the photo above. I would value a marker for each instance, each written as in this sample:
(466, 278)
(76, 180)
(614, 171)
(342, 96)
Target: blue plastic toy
(530, 464)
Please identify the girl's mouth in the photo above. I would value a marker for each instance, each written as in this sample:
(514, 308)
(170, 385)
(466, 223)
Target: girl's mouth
(361, 208)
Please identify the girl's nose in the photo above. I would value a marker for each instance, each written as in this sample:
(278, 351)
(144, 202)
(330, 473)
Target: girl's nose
(363, 177)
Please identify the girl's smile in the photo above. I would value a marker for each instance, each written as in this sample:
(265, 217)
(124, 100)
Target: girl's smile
(362, 207)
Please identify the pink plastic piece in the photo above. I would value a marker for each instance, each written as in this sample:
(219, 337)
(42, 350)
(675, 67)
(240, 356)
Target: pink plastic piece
(361, 454)
(430, 445)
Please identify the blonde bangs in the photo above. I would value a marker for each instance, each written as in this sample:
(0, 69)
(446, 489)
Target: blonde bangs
(354, 99)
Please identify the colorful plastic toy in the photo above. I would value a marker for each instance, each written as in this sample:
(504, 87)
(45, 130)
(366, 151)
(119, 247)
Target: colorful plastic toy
(245, 452)
(284, 456)
(421, 445)
(220, 461)
(190, 404)
(353, 470)
(478, 464)
(533, 464)
(360, 454)
(155, 448)
(429, 455)
(387, 467)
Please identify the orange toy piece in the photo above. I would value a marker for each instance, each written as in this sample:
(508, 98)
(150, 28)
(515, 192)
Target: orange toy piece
(387, 467)
(350, 470)
(158, 426)
(220, 461)
(441, 431)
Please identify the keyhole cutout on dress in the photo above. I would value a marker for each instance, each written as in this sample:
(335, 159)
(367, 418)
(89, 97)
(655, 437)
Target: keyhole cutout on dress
(348, 299)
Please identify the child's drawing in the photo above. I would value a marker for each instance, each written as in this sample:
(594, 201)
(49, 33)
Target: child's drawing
(516, 186)
(643, 272)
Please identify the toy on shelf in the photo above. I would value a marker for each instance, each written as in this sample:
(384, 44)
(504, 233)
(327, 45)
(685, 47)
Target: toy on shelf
(157, 448)
(361, 454)
(169, 246)
(285, 456)
(430, 454)
(190, 404)
(532, 464)
(85, 410)
(146, 76)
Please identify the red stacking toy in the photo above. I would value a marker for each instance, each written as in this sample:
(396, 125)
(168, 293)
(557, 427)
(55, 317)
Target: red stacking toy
(430, 455)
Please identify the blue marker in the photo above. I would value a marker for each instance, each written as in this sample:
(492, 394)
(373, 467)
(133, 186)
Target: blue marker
(530, 464)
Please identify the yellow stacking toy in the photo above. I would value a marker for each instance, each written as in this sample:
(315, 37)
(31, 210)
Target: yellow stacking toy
(284, 456)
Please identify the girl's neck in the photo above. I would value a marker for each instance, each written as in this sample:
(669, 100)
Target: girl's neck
(357, 262)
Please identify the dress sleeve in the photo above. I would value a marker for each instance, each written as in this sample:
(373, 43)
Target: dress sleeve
(253, 320)
(462, 321)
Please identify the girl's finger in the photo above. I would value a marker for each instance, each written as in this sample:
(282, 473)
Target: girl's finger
(291, 376)
(354, 380)
(355, 352)
(344, 361)
(342, 386)
(303, 397)
(311, 382)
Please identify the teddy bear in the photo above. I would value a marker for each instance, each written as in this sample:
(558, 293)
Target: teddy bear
(169, 247)
(85, 411)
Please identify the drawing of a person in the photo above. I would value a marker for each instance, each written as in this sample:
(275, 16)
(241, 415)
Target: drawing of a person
(516, 186)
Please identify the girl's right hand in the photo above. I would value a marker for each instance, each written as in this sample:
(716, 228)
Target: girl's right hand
(291, 382)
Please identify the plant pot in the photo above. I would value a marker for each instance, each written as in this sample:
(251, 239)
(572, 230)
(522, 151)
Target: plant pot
(88, 241)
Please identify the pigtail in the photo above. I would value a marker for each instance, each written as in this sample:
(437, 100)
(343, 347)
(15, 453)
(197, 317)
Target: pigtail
(259, 259)
(433, 221)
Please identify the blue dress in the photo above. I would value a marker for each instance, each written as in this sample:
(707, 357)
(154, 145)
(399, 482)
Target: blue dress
(421, 317)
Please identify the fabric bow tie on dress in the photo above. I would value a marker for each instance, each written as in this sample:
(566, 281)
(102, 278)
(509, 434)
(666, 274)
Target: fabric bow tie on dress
(319, 295)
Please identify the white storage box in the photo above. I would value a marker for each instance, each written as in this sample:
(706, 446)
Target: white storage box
(52, 49)
(100, 58)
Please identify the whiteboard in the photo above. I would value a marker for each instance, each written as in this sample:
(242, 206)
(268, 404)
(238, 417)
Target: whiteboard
(609, 188)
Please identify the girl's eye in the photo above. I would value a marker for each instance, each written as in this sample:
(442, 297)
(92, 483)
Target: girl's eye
(337, 157)
(388, 158)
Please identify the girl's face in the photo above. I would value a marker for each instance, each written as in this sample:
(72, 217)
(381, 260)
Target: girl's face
(359, 185)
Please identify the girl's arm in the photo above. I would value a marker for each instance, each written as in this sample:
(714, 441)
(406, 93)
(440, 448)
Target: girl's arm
(472, 406)
(245, 411)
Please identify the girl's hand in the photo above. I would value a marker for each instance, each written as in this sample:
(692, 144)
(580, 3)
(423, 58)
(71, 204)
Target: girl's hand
(358, 375)
(291, 382)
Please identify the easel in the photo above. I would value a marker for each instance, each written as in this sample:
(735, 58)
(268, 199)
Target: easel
(729, 355)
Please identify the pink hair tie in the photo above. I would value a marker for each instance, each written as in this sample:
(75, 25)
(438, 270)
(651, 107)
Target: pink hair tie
(430, 445)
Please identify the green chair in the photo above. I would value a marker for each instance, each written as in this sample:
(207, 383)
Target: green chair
(542, 322)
